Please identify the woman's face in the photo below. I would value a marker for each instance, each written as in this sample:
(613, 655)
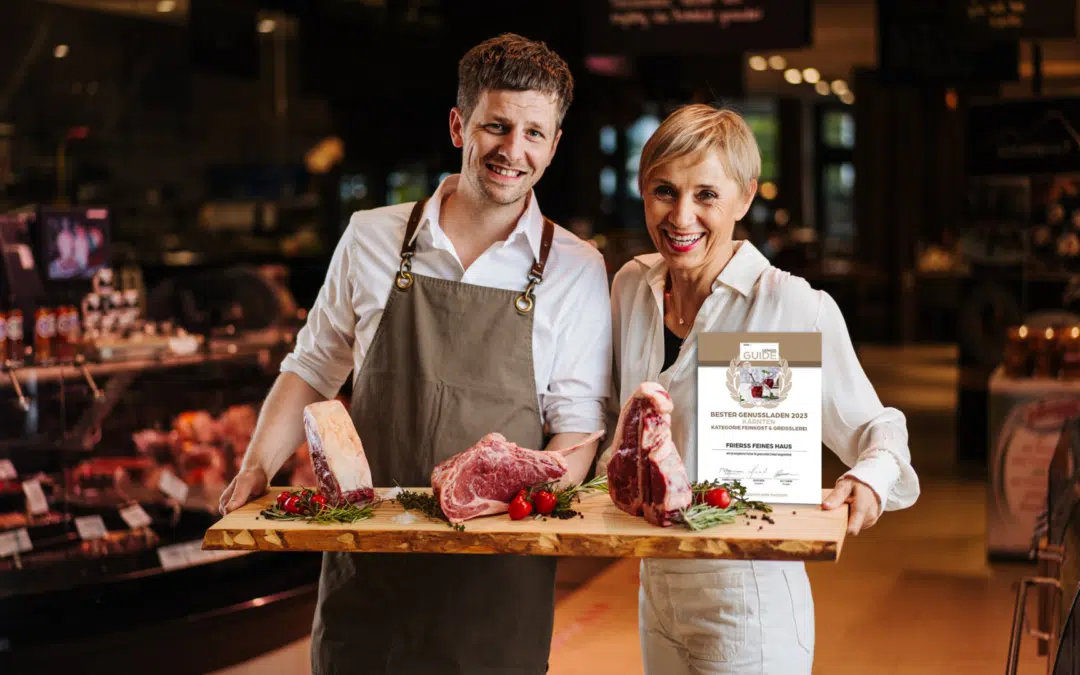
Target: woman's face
(691, 206)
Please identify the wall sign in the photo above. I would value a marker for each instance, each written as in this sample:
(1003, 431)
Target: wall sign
(697, 26)
(1024, 137)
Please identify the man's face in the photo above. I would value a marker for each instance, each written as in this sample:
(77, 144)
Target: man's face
(506, 143)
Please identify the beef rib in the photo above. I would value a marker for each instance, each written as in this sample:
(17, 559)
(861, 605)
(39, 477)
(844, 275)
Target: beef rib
(482, 480)
(645, 473)
(337, 455)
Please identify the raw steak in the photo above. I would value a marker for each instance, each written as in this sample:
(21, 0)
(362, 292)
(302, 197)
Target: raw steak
(645, 473)
(482, 480)
(337, 456)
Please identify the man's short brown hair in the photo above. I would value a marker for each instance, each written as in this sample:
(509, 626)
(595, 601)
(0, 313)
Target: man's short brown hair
(513, 63)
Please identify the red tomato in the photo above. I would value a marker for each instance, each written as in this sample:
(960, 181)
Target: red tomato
(282, 497)
(718, 497)
(293, 505)
(519, 508)
(544, 502)
(523, 493)
(318, 502)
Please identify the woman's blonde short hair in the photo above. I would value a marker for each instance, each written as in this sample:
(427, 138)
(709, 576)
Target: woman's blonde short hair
(698, 129)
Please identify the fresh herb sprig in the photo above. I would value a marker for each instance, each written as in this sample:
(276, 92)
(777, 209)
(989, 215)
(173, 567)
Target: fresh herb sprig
(737, 491)
(565, 497)
(701, 515)
(426, 504)
(350, 513)
(311, 507)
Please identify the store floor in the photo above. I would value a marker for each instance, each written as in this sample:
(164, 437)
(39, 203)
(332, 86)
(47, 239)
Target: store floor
(912, 596)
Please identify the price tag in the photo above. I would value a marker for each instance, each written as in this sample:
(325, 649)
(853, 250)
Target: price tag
(135, 516)
(35, 497)
(173, 486)
(9, 544)
(90, 527)
(7, 470)
(173, 556)
(23, 538)
(188, 553)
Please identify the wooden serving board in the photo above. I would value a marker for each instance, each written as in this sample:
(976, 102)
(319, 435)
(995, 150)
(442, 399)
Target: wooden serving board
(799, 533)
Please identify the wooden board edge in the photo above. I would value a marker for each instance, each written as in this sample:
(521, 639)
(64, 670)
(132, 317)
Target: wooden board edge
(547, 544)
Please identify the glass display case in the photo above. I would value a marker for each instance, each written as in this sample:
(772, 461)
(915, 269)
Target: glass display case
(110, 473)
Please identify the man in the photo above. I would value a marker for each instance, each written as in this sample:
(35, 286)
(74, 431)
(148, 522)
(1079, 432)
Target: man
(462, 314)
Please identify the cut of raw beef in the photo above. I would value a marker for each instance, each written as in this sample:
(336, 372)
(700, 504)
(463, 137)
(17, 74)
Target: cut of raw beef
(645, 473)
(482, 480)
(337, 456)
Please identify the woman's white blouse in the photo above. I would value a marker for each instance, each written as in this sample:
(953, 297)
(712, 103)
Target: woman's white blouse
(752, 295)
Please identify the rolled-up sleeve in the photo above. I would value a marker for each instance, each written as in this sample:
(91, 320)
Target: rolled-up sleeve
(581, 370)
(323, 354)
(864, 434)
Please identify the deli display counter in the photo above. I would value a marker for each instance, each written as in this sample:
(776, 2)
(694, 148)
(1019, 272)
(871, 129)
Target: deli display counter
(111, 466)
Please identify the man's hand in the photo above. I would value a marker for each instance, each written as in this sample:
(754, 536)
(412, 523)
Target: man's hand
(864, 503)
(247, 485)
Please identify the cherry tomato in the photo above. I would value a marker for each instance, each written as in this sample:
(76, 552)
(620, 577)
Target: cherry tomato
(519, 508)
(293, 505)
(718, 497)
(318, 502)
(282, 497)
(523, 494)
(544, 502)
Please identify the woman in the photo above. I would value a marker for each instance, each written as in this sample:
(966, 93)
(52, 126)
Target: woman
(698, 176)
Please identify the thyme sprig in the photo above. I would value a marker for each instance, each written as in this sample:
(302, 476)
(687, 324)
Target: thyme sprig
(427, 504)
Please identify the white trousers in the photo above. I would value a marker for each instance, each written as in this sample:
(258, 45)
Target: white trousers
(725, 617)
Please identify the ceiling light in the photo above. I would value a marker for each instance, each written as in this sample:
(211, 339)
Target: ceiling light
(847, 97)
(811, 75)
(822, 88)
(267, 26)
(777, 62)
(793, 76)
(166, 6)
(839, 87)
(61, 51)
(758, 63)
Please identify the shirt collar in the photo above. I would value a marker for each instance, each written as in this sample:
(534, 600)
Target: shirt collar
(741, 272)
(530, 225)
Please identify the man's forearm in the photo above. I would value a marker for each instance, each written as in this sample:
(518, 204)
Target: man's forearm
(280, 428)
(580, 460)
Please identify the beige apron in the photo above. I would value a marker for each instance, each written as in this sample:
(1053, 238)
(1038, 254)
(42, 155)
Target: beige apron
(449, 363)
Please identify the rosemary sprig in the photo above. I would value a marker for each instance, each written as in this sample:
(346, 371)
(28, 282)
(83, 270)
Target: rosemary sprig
(350, 513)
(737, 491)
(565, 498)
(426, 504)
(703, 516)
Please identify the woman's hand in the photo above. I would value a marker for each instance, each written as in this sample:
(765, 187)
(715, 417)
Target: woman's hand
(864, 503)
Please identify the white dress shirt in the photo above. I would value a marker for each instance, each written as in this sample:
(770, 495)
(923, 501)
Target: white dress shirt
(752, 295)
(571, 328)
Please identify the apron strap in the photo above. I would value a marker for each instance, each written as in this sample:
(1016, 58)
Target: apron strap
(404, 276)
(527, 299)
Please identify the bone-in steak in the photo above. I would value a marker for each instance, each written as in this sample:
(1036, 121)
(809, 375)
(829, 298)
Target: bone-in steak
(482, 480)
(646, 476)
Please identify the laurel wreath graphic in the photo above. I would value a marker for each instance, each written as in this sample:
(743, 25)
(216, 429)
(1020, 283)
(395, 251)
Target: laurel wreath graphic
(784, 387)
